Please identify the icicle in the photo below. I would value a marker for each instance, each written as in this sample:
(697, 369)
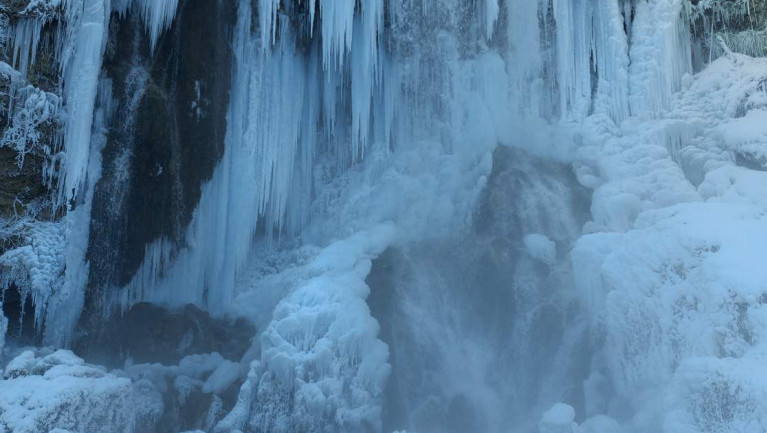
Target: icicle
(337, 18)
(25, 38)
(612, 61)
(299, 207)
(157, 15)
(525, 62)
(35, 268)
(312, 14)
(491, 16)
(81, 77)
(275, 115)
(81, 59)
(330, 88)
(269, 148)
(573, 54)
(365, 71)
(660, 55)
(267, 15)
(591, 42)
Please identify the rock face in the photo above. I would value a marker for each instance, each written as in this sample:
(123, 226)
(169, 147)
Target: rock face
(167, 135)
(184, 365)
(24, 137)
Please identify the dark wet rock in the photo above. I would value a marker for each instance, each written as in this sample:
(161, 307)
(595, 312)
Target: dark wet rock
(166, 139)
(197, 410)
(44, 72)
(5, 97)
(146, 336)
(518, 199)
(20, 312)
(147, 333)
(46, 11)
(21, 176)
(751, 161)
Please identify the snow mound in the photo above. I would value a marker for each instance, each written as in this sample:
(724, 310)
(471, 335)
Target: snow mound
(322, 363)
(58, 392)
(540, 248)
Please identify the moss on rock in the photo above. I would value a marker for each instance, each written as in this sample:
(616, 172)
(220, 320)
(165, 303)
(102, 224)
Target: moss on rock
(19, 185)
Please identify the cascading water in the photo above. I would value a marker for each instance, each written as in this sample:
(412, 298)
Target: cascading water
(440, 216)
(454, 372)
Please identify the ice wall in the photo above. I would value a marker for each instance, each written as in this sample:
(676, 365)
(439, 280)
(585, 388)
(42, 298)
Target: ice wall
(599, 71)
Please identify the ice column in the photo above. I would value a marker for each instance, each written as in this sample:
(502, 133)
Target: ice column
(81, 67)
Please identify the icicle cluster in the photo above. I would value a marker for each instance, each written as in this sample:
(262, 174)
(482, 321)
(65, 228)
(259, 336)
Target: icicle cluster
(591, 41)
(157, 15)
(660, 55)
(294, 102)
(525, 42)
(25, 38)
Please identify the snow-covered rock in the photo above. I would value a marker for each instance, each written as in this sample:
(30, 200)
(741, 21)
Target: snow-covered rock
(674, 286)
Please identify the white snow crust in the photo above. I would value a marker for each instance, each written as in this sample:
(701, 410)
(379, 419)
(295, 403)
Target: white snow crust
(45, 392)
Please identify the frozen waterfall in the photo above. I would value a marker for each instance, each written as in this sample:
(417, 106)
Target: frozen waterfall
(423, 216)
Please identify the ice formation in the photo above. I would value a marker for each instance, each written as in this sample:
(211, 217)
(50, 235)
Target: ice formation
(367, 134)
